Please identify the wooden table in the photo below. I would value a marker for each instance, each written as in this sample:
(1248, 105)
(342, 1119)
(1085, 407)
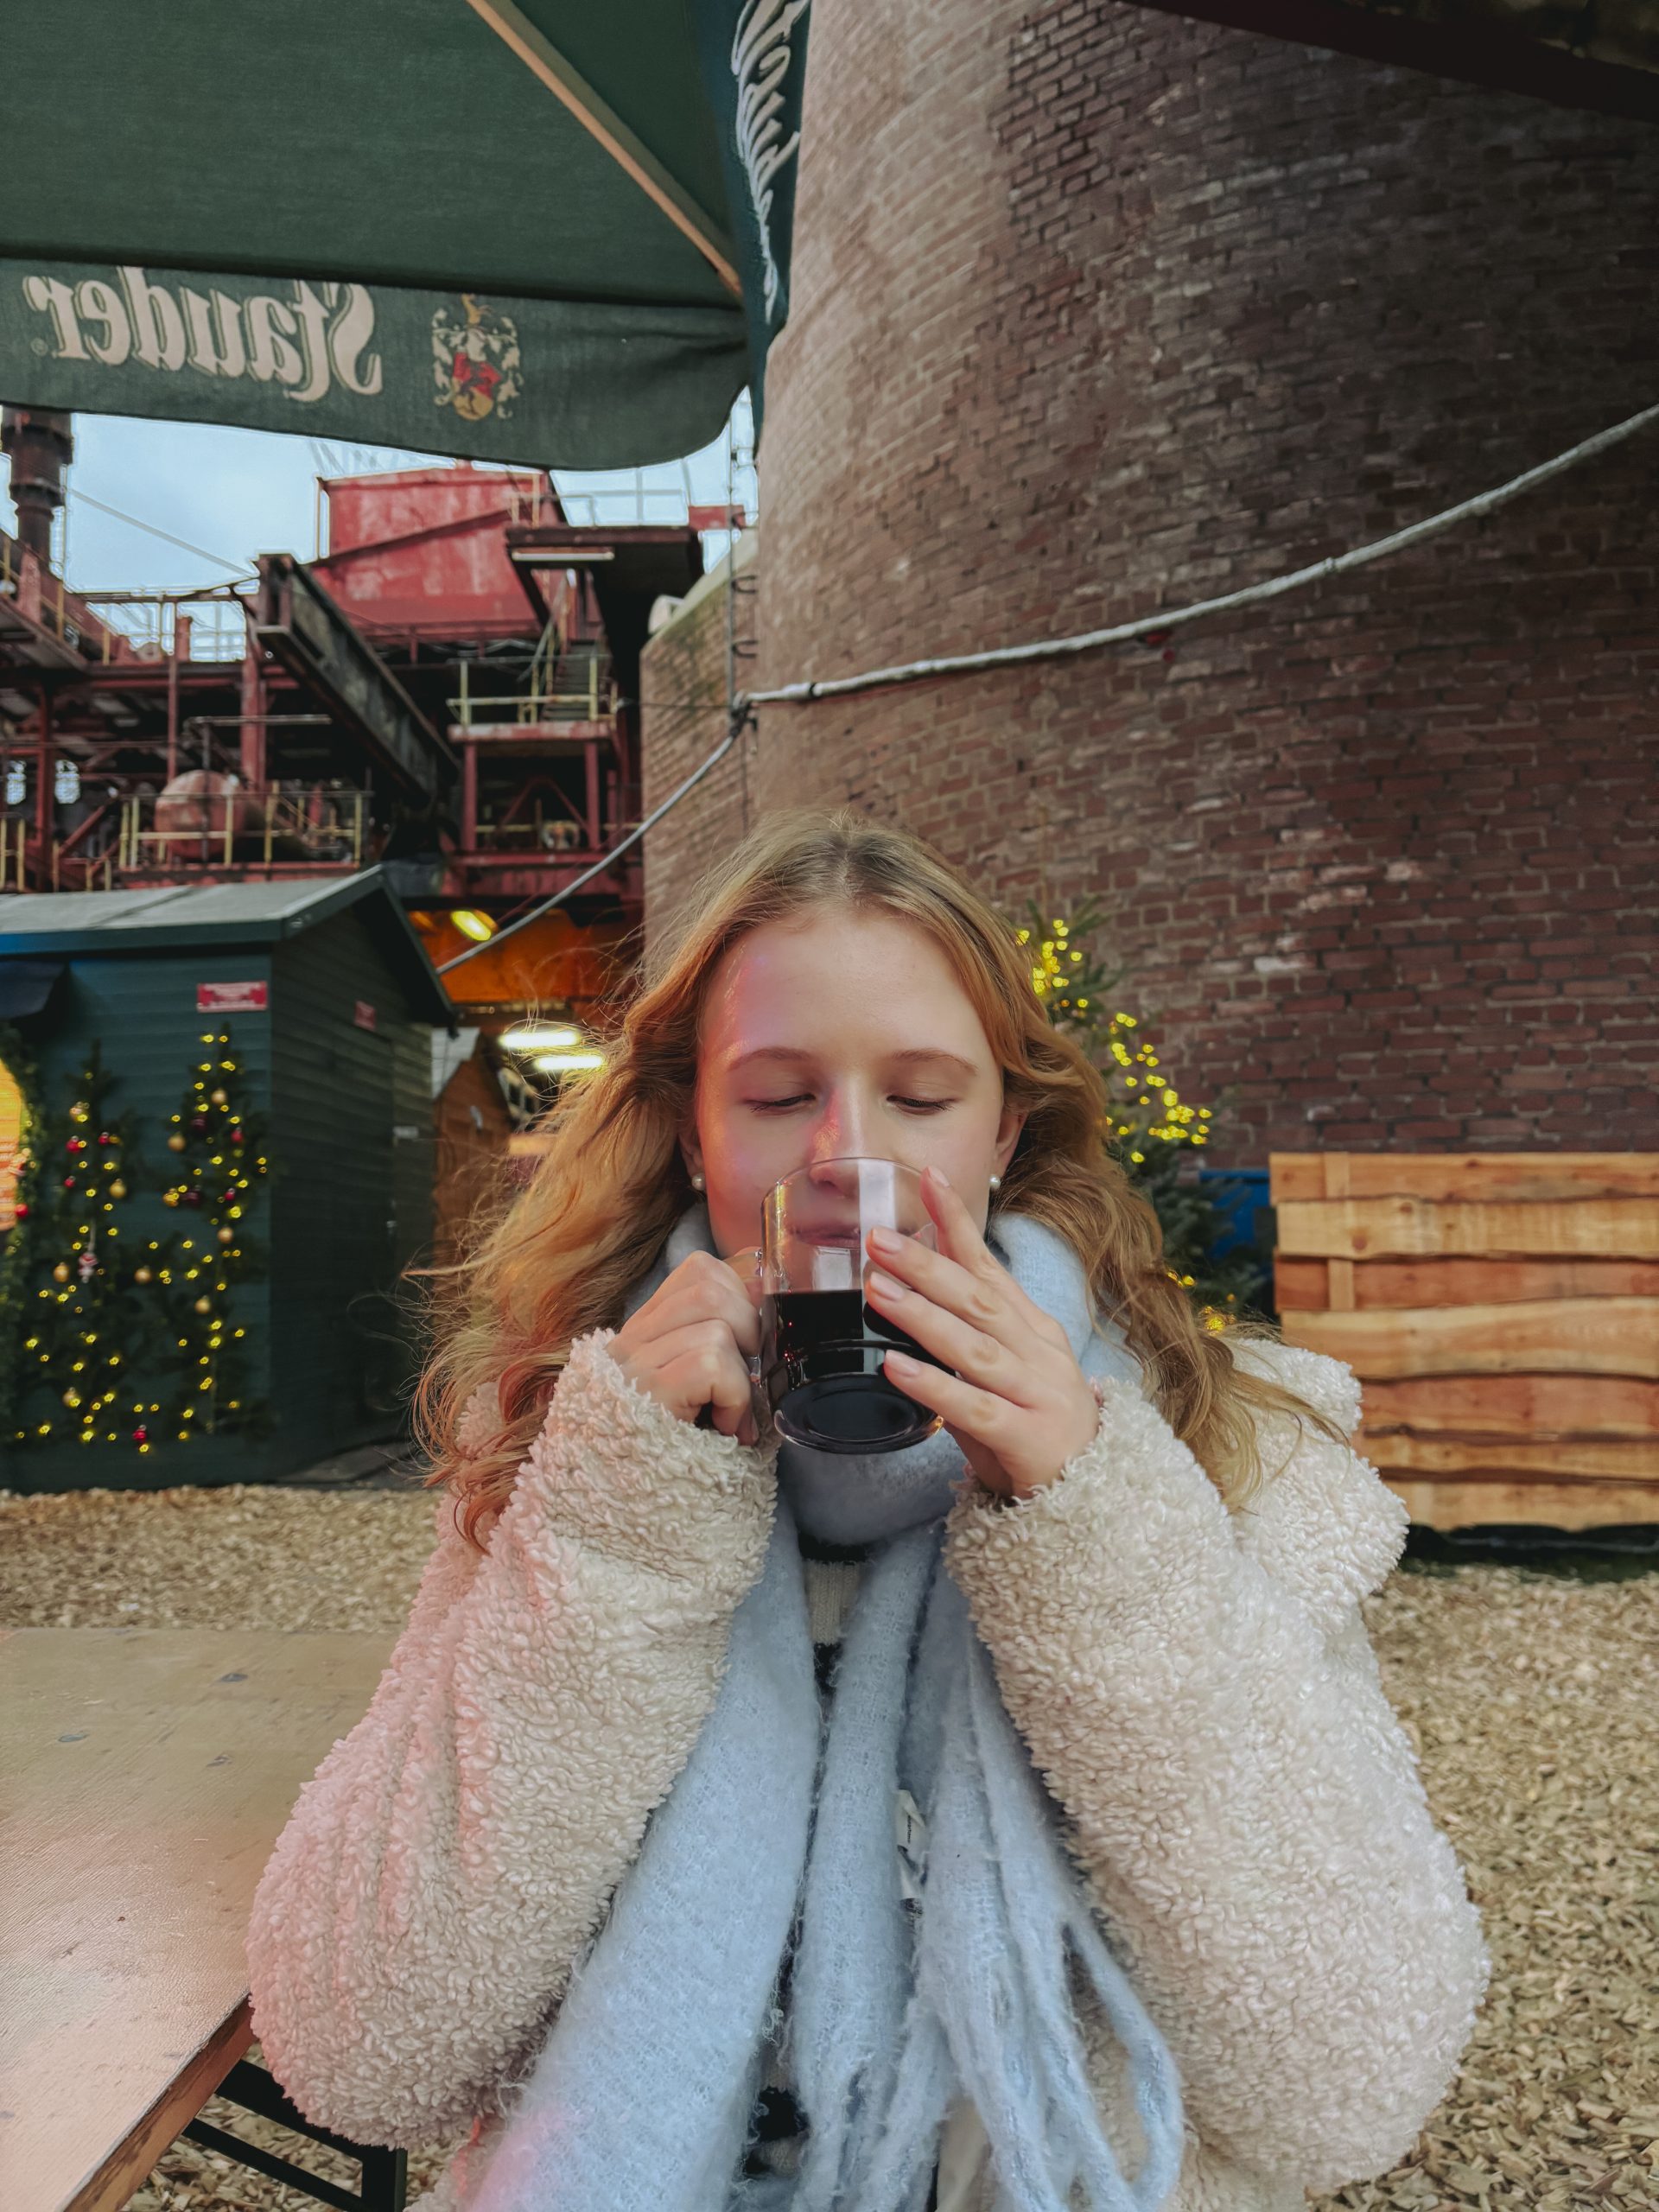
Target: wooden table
(144, 1776)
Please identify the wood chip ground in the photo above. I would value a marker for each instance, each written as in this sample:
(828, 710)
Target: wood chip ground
(1531, 1701)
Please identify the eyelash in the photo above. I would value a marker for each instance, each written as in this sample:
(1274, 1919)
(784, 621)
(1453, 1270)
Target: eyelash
(920, 1105)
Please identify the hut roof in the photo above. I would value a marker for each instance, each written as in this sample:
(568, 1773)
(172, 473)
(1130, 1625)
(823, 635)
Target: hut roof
(67, 922)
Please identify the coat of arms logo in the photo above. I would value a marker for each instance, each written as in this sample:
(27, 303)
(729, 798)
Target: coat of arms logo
(475, 359)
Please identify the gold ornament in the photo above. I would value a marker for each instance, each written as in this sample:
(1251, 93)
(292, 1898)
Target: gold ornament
(143, 1274)
(228, 1236)
(60, 1272)
(175, 1143)
(219, 1098)
(72, 1397)
(118, 1189)
(204, 1306)
(169, 1197)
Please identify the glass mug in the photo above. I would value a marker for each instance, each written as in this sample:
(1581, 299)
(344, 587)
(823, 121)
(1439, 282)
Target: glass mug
(822, 1342)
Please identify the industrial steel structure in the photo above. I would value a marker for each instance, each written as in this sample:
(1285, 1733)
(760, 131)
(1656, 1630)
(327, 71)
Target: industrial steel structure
(449, 691)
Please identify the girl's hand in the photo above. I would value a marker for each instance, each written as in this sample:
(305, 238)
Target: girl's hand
(688, 1345)
(1018, 1405)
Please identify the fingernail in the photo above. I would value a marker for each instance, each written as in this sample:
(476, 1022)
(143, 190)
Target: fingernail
(939, 1177)
(885, 1239)
(888, 1286)
(903, 1362)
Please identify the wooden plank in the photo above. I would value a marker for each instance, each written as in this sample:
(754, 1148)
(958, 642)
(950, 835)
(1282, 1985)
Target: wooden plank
(1560, 1458)
(1501, 1313)
(1588, 1335)
(1467, 1177)
(1384, 1228)
(148, 1773)
(1339, 1274)
(1541, 1406)
(1302, 1285)
(132, 2161)
(1549, 1505)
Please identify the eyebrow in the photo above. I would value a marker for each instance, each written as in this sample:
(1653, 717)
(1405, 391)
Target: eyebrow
(910, 1055)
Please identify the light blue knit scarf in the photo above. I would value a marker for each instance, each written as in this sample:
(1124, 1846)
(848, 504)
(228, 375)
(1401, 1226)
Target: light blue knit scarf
(640, 2098)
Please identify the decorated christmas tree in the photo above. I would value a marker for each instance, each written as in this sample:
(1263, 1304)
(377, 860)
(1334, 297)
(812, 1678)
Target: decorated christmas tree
(216, 1156)
(1153, 1130)
(75, 1333)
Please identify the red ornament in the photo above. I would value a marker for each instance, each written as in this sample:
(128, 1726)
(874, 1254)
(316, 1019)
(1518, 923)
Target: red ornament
(141, 1435)
(190, 1198)
(104, 1137)
(199, 1124)
(75, 1144)
(21, 1213)
(69, 1182)
(236, 1136)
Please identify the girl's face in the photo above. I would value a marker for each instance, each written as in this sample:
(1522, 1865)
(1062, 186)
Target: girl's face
(836, 1032)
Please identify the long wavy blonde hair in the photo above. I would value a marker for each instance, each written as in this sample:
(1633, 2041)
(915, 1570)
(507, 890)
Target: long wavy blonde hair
(613, 1181)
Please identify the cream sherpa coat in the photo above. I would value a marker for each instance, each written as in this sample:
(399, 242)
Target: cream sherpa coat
(1197, 1687)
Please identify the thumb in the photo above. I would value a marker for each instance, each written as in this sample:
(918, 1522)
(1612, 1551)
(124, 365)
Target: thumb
(746, 1266)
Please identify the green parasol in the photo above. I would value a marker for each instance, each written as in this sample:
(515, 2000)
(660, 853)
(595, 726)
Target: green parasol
(543, 232)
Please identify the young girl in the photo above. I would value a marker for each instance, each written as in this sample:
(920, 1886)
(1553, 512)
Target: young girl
(1011, 1820)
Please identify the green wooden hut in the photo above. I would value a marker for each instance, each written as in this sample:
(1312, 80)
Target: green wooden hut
(306, 1011)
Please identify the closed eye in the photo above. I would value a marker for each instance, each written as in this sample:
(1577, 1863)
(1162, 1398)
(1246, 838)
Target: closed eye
(914, 1105)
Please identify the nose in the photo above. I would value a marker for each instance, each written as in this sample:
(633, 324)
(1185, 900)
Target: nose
(834, 1178)
(842, 1132)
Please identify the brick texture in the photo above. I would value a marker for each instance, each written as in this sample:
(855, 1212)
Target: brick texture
(683, 687)
(1096, 308)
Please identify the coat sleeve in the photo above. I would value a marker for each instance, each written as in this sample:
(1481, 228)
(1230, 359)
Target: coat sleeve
(1200, 1693)
(419, 1918)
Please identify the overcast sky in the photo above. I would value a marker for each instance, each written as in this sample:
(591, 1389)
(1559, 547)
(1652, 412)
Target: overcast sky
(232, 493)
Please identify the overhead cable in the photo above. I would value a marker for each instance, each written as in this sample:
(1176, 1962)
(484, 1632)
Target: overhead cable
(734, 726)
(1121, 633)
(236, 568)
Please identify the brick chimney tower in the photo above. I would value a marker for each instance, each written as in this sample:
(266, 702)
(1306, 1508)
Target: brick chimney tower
(39, 444)
(1096, 309)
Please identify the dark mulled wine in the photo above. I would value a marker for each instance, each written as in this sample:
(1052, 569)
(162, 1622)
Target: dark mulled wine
(821, 1353)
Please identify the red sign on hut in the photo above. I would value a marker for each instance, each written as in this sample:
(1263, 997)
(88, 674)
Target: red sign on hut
(232, 998)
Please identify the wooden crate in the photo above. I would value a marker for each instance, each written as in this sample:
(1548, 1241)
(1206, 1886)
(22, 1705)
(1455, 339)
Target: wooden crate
(1501, 1311)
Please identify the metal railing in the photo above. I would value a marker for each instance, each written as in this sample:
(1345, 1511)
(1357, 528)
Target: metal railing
(149, 621)
(145, 620)
(41, 596)
(538, 832)
(577, 688)
(22, 867)
(248, 828)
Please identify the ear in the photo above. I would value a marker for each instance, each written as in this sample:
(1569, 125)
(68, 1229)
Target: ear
(1008, 1134)
(690, 1150)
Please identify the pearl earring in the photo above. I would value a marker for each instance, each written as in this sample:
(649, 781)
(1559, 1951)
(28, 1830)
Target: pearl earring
(696, 1179)
(997, 1182)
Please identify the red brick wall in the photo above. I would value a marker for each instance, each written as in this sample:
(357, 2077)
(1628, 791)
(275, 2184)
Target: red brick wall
(684, 688)
(1096, 308)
